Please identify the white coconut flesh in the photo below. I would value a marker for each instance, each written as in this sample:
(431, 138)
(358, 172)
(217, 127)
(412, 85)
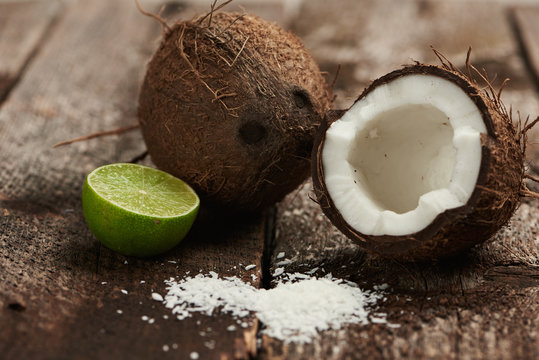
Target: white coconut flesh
(403, 154)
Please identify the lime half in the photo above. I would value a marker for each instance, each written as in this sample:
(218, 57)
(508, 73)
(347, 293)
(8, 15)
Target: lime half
(137, 210)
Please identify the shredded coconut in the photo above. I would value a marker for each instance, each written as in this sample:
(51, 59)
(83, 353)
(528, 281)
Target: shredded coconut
(279, 271)
(250, 267)
(284, 262)
(381, 287)
(295, 310)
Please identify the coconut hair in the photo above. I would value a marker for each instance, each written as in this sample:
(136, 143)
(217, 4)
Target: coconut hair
(498, 190)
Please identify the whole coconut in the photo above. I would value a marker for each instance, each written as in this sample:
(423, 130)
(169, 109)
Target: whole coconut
(230, 103)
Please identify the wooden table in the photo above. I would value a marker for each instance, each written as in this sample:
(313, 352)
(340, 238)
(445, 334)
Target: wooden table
(69, 68)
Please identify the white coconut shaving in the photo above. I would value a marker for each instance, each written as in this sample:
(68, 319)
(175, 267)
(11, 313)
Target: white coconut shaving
(293, 311)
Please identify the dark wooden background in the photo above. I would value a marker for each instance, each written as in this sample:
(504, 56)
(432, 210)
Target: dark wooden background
(69, 68)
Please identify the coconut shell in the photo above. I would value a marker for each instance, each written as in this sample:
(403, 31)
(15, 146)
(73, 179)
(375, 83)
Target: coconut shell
(230, 104)
(491, 205)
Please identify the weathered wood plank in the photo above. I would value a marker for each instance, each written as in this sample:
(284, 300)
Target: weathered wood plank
(52, 269)
(308, 239)
(479, 305)
(482, 304)
(23, 25)
(527, 22)
(435, 327)
(371, 38)
(282, 12)
(52, 300)
(527, 25)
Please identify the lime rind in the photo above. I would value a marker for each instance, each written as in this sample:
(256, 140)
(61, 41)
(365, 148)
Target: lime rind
(131, 231)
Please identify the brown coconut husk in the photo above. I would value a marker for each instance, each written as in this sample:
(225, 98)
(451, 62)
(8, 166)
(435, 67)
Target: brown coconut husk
(498, 191)
(230, 104)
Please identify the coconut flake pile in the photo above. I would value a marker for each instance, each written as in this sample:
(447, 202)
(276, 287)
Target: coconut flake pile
(293, 311)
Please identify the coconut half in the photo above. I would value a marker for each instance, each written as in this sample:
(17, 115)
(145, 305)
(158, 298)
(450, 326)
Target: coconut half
(422, 165)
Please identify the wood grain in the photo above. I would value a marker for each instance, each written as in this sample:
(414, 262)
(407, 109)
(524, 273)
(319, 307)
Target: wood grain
(23, 27)
(527, 25)
(478, 305)
(60, 291)
(482, 304)
(283, 12)
(527, 22)
(367, 39)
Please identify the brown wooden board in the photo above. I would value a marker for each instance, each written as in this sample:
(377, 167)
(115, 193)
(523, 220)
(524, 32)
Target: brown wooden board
(483, 304)
(527, 25)
(527, 21)
(60, 291)
(23, 27)
(372, 38)
(282, 12)
(368, 39)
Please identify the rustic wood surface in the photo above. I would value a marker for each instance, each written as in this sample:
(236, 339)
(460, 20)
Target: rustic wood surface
(74, 67)
(22, 27)
(53, 303)
(484, 304)
(527, 25)
(527, 22)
